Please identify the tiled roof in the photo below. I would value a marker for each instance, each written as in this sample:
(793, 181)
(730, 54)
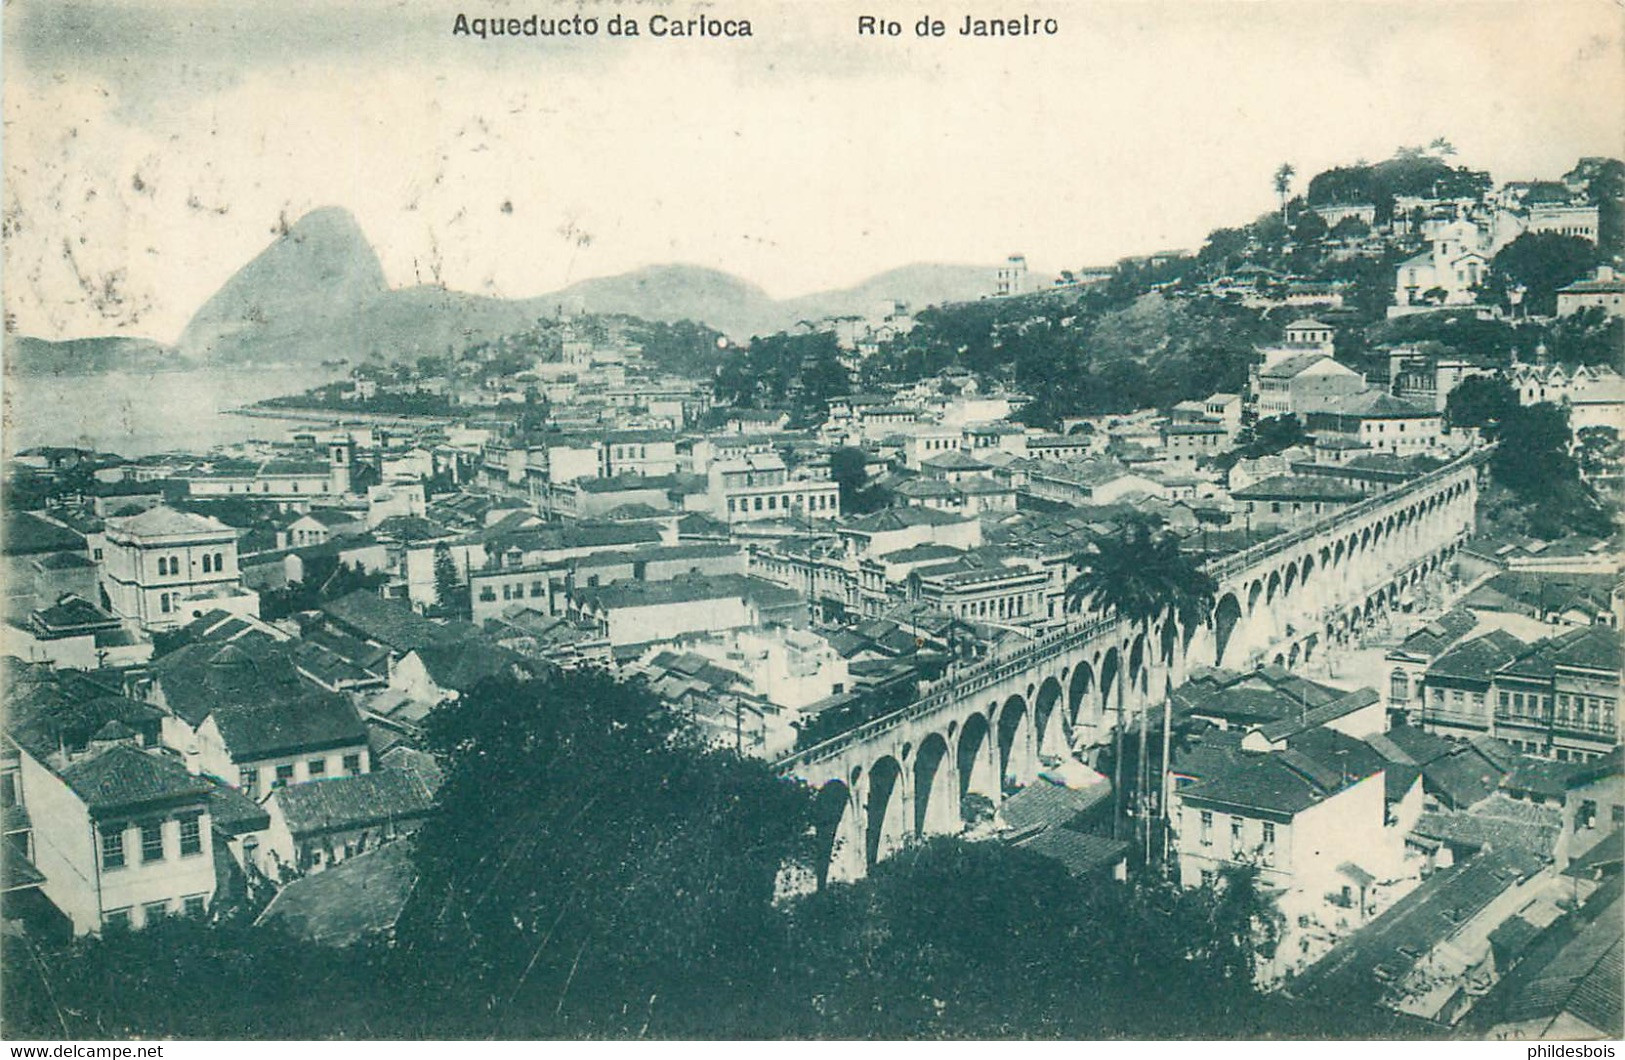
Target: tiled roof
(26, 535)
(63, 561)
(1263, 785)
(1477, 659)
(1298, 488)
(122, 778)
(954, 460)
(48, 712)
(685, 589)
(313, 721)
(1497, 823)
(331, 517)
(340, 804)
(1419, 746)
(1582, 978)
(1079, 852)
(294, 467)
(463, 665)
(198, 678)
(233, 813)
(73, 612)
(1379, 404)
(1292, 366)
(164, 521)
(901, 519)
(362, 895)
(1042, 804)
(1439, 634)
(1463, 778)
(388, 622)
(1360, 970)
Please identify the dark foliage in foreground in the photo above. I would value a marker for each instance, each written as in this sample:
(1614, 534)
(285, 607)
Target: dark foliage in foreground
(595, 874)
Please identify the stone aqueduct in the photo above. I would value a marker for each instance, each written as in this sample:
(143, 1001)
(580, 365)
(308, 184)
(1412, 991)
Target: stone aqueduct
(906, 774)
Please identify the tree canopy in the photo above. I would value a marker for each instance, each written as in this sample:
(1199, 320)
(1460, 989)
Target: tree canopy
(1482, 401)
(1541, 263)
(1141, 574)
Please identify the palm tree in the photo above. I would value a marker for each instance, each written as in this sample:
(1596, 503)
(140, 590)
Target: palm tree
(1142, 576)
(1283, 184)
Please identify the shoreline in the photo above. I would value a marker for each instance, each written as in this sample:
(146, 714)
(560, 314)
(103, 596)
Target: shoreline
(339, 418)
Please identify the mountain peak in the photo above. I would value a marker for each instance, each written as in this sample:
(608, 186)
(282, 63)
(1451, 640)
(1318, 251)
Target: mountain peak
(314, 274)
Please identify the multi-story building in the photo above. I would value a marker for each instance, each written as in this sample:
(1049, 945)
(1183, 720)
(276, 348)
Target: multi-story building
(1293, 500)
(1448, 272)
(760, 487)
(1560, 698)
(1456, 687)
(1564, 219)
(1603, 290)
(510, 583)
(1594, 394)
(154, 562)
(290, 482)
(1300, 374)
(651, 612)
(1188, 443)
(1377, 419)
(982, 588)
(119, 831)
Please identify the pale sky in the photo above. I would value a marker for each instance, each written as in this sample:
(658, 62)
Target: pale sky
(151, 147)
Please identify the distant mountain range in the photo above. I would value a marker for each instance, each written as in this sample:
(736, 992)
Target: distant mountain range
(318, 293)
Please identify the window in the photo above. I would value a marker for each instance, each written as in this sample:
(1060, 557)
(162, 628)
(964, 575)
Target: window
(352, 764)
(316, 767)
(117, 919)
(1235, 836)
(153, 912)
(284, 776)
(208, 563)
(152, 841)
(163, 603)
(1269, 842)
(1398, 687)
(219, 562)
(163, 566)
(174, 564)
(191, 836)
(1207, 828)
(112, 846)
(248, 779)
(193, 905)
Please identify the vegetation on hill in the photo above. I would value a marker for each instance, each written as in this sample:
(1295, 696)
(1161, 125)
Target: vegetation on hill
(35, 357)
(800, 373)
(1411, 172)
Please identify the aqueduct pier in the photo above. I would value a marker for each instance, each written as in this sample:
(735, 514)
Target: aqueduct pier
(990, 725)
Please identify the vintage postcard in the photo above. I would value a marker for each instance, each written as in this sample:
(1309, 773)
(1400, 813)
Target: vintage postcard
(733, 519)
